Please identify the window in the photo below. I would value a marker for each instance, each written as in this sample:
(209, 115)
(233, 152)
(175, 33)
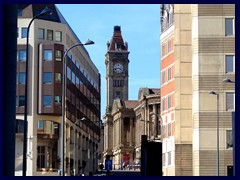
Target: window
(169, 129)
(58, 77)
(117, 94)
(47, 77)
(230, 101)
(41, 157)
(163, 77)
(69, 73)
(163, 104)
(24, 32)
(169, 45)
(169, 158)
(22, 78)
(229, 139)
(229, 26)
(229, 63)
(40, 124)
(47, 54)
(58, 55)
(50, 35)
(47, 100)
(169, 73)
(40, 33)
(58, 36)
(22, 55)
(58, 99)
(21, 101)
(169, 101)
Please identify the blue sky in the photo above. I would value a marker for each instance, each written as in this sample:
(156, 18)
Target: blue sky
(140, 26)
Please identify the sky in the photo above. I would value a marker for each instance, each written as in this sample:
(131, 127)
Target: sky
(140, 26)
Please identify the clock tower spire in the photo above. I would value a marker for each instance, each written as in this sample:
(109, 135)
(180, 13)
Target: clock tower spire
(116, 60)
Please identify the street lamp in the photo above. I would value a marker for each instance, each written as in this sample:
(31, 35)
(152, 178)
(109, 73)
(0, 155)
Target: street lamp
(227, 80)
(46, 11)
(88, 42)
(74, 170)
(214, 93)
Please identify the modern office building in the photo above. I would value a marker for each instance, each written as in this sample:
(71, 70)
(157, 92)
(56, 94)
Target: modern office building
(197, 53)
(49, 38)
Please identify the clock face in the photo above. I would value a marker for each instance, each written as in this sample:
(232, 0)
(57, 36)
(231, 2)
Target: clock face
(118, 68)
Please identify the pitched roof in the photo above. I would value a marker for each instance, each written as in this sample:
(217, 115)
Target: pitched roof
(131, 103)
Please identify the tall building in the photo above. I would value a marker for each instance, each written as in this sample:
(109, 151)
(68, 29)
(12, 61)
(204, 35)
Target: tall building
(198, 52)
(116, 60)
(126, 120)
(49, 38)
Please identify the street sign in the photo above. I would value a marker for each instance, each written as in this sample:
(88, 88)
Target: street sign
(108, 165)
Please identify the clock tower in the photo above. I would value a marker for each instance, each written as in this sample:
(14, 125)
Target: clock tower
(116, 60)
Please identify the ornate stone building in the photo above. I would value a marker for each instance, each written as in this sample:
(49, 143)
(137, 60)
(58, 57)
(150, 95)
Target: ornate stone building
(126, 120)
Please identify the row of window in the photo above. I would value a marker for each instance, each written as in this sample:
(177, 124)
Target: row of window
(168, 158)
(168, 130)
(47, 100)
(118, 83)
(167, 74)
(167, 47)
(50, 35)
(167, 102)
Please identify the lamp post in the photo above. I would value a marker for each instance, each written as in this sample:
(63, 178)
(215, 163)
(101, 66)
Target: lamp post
(214, 93)
(227, 80)
(46, 11)
(74, 170)
(88, 42)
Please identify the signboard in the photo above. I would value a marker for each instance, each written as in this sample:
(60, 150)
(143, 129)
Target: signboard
(108, 165)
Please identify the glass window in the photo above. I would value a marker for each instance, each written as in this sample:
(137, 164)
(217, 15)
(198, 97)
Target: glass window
(229, 26)
(50, 35)
(16, 101)
(47, 54)
(24, 32)
(58, 77)
(22, 78)
(58, 55)
(169, 129)
(47, 100)
(21, 101)
(22, 55)
(58, 36)
(58, 99)
(47, 77)
(230, 101)
(229, 63)
(169, 73)
(41, 157)
(229, 139)
(40, 124)
(68, 73)
(169, 101)
(73, 77)
(163, 77)
(40, 33)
